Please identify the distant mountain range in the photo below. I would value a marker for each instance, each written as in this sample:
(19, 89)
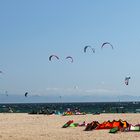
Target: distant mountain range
(70, 98)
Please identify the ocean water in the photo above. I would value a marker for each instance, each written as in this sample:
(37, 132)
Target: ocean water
(92, 107)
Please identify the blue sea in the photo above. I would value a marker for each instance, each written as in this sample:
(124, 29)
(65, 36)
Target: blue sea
(89, 107)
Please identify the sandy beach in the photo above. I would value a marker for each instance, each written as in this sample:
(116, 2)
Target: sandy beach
(44, 127)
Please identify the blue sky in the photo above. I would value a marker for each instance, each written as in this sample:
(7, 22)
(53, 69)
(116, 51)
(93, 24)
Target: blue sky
(30, 31)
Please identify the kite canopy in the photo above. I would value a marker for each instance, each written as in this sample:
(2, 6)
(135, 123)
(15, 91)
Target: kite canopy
(51, 56)
(85, 49)
(127, 80)
(26, 93)
(69, 57)
(106, 44)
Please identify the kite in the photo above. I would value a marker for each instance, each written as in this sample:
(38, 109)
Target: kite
(69, 57)
(127, 80)
(107, 43)
(26, 94)
(50, 58)
(85, 48)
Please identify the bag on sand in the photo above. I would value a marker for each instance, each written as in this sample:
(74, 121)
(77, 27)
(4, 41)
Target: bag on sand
(114, 130)
(67, 124)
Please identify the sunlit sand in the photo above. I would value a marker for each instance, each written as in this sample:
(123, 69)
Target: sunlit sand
(43, 127)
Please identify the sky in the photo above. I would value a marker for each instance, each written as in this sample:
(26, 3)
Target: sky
(31, 31)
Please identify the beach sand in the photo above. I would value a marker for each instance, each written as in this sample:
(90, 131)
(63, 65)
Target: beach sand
(43, 127)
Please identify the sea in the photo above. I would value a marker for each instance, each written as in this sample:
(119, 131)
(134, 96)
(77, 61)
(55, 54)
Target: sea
(87, 107)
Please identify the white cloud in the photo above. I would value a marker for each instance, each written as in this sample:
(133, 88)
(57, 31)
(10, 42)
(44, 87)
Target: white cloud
(102, 91)
(80, 91)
